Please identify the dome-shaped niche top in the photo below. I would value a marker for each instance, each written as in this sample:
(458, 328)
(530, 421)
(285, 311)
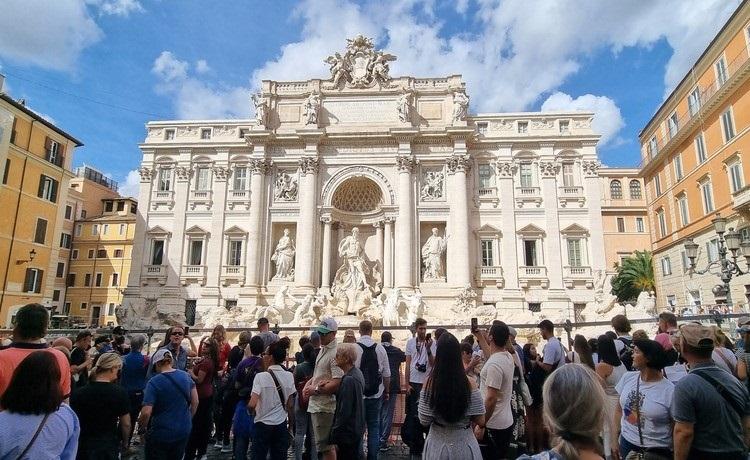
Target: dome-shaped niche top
(358, 194)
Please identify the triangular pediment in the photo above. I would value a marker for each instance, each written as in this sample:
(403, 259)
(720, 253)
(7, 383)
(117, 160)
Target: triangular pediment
(574, 229)
(196, 230)
(235, 230)
(531, 229)
(158, 230)
(488, 230)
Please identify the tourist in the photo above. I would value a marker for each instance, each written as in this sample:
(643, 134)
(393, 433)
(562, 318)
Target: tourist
(229, 399)
(594, 346)
(315, 341)
(448, 404)
(471, 361)
(349, 336)
(722, 355)
(265, 333)
(574, 412)
(63, 342)
(35, 423)
(322, 387)
(420, 352)
(247, 369)
(640, 334)
(395, 357)
(741, 322)
(272, 399)
(219, 335)
(643, 414)
(535, 375)
(100, 405)
(676, 367)
(348, 426)
(303, 434)
(133, 377)
(28, 337)
(518, 349)
(610, 369)
(743, 355)
(169, 403)
(710, 406)
(203, 374)
(102, 344)
(173, 343)
(581, 352)
(298, 356)
(553, 354)
(372, 360)
(667, 322)
(118, 340)
(81, 359)
(438, 332)
(623, 341)
(496, 385)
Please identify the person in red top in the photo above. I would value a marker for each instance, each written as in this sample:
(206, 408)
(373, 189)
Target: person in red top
(28, 337)
(203, 374)
(219, 335)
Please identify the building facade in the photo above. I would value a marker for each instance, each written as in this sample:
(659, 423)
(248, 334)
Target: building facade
(501, 211)
(624, 214)
(695, 166)
(37, 159)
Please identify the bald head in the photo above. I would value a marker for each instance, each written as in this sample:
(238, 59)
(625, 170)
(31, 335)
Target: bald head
(63, 342)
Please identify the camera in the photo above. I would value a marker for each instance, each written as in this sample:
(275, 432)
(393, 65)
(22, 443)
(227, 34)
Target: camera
(421, 367)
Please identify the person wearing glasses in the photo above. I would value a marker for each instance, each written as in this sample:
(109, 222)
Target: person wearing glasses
(173, 342)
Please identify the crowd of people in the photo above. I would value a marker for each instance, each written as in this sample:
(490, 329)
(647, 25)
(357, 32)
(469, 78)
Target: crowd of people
(679, 392)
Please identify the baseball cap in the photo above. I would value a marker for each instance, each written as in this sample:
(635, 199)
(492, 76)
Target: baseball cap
(102, 339)
(327, 325)
(512, 331)
(160, 355)
(697, 335)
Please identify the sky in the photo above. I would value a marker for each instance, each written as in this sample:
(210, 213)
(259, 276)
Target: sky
(101, 69)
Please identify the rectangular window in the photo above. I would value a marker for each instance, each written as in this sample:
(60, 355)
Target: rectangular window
(727, 125)
(68, 212)
(66, 309)
(157, 252)
(526, 175)
(621, 224)
(657, 184)
(120, 206)
(206, 133)
(482, 128)
(108, 206)
(56, 295)
(123, 227)
(196, 252)
(535, 307)
(79, 227)
(700, 148)
(487, 256)
(240, 178)
(71, 280)
(118, 253)
(190, 306)
(87, 279)
(694, 101)
(40, 233)
(721, 71)
(229, 304)
(653, 146)
(84, 305)
(523, 127)
(568, 178)
(708, 197)
(639, 227)
(115, 279)
(485, 176)
(83, 213)
(111, 309)
(662, 223)
(98, 280)
(101, 253)
(564, 126)
(52, 152)
(685, 261)
(165, 179)
(712, 249)
(735, 176)
(666, 266)
(673, 125)
(235, 253)
(74, 254)
(6, 172)
(203, 178)
(95, 229)
(91, 253)
(678, 167)
(682, 203)
(47, 188)
(168, 134)
(530, 253)
(105, 229)
(33, 280)
(575, 258)
(60, 272)
(133, 208)
(671, 301)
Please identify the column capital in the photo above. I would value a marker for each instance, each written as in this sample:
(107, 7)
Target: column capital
(260, 166)
(326, 220)
(378, 224)
(458, 163)
(389, 220)
(146, 173)
(406, 163)
(591, 168)
(308, 165)
(183, 173)
(549, 168)
(221, 173)
(506, 168)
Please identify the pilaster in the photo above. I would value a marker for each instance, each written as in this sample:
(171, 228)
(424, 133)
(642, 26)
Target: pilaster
(182, 174)
(553, 257)
(216, 254)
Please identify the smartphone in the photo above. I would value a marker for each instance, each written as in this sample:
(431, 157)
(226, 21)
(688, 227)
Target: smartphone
(474, 325)
(187, 330)
(428, 337)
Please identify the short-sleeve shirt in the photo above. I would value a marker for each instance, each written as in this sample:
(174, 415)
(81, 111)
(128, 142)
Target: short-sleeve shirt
(717, 426)
(325, 369)
(553, 353)
(99, 405)
(384, 369)
(12, 356)
(58, 439)
(77, 357)
(418, 354)
(171, 419)
(654, 401)
(206, 387)
(497, 373)
(270, 409)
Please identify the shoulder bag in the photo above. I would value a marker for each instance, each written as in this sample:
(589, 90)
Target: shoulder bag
(36, 435)
(646, 453)
(721, 389)
(173, 382)
(290, 416)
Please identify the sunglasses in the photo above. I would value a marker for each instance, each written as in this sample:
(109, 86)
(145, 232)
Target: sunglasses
(178, 333)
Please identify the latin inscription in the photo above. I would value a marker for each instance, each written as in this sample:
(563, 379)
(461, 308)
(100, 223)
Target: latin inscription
(337, 112)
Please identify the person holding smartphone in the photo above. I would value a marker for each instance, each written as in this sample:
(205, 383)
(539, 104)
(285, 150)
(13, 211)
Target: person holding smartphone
(420, 357)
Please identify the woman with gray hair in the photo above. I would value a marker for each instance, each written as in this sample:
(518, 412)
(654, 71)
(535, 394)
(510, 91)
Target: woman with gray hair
(574, 411)
(133, 378)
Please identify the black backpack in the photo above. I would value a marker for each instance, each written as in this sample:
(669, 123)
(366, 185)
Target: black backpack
(626, 354)
(370, 369)
(246, 378)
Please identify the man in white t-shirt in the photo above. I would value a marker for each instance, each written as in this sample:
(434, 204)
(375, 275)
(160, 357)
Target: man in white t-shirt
(420, 357)
(553, 355)
(496, 385)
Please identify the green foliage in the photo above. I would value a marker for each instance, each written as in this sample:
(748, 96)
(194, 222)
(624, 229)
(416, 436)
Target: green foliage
(634, 275)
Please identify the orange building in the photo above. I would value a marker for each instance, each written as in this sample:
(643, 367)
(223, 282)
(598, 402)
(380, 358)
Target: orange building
(694, 162)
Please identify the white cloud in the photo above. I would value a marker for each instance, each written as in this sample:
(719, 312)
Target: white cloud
(168, 68)
(116, 7)
(201, 66)
(607, 118)
(46, 34)
(131, 185)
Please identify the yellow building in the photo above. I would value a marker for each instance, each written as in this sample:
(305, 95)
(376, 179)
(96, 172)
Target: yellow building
(36, 157)
(100, 262)
(694, 152)
(624, 215)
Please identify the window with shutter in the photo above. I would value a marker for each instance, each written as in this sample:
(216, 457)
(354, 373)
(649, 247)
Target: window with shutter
(71, 281)
(38, 281)
(28, 282)
(40, 235)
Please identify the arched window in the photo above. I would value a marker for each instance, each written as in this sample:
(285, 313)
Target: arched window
(615, 189)
(635, 189)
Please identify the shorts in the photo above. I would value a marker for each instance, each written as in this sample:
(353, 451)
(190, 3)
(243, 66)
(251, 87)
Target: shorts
(322, 423)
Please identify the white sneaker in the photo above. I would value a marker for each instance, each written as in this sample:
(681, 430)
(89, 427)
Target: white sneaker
(218, 444)
(226, 448)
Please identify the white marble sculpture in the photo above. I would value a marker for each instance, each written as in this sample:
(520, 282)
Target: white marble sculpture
(305, 313)
(414, 306)
(432, 257)
(282, 301)
(361, 66)
(432, 185)
(285, 187)
(403, 105)
(465, 300)
(460, 105)
(646, 302)
(351, 285)
(312, 105)
(261, 109)
(283, 257)
(390, 308)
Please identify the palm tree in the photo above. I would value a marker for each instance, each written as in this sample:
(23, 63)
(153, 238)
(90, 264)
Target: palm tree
(634, 275)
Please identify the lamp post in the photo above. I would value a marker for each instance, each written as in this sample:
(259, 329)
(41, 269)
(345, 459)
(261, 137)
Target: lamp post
(730, 248)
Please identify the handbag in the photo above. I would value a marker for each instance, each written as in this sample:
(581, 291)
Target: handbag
(646, 453)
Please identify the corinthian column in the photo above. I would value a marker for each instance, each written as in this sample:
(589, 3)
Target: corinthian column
(405, 223)
(388, 253)
(326, 263)
(459, 269)
(259, 168)
(303, 269)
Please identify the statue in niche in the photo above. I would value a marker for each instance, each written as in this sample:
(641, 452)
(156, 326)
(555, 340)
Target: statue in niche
(432, 185)
(460, 105)
(432, 257)
(311, 106)
(403, 105)
(261, 109)
(283, 257)
(414, 307)
(351, 283)
(285, 187)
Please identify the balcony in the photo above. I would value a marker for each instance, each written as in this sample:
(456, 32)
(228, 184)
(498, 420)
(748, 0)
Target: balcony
(488, 195)
(571, 194)
(154, 272)
(574, 275)
(489, 275)
(533, 275)
(233, 274)
(200, 199)
(532, 195)
(741, 199)
(238, 199)
(193, 274)
(162, 200)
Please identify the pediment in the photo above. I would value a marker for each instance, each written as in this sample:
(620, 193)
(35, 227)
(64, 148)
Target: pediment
(196, 230)
(531, 229)
(235, 230)
(574, 229)
(488, 230)
(158, 230)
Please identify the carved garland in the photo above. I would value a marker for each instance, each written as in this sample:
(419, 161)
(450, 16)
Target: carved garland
(506, 168)
(221, 172)
(183, 172)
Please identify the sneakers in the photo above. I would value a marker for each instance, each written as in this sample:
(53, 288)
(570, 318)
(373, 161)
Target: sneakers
(225, 448)
(218, 444)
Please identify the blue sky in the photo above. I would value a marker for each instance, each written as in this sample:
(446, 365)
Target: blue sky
(100, 69)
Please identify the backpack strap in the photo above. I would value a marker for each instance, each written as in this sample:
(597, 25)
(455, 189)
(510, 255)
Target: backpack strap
(722, 390)
(173, 382)
(278, 388)
(36, 435)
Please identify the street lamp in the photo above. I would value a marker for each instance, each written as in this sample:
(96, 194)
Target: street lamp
(32, 254)
(730, 248)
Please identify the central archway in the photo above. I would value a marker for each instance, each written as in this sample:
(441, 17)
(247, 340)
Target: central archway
(358, 195)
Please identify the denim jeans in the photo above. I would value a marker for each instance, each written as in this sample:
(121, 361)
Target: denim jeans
(386, 418)
(241, 444)
(372, 419)
(273, 439)
(303, 427)
(159, 450)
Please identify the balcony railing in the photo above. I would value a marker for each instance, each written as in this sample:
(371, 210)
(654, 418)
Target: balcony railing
(577, 272)
(154, 272)
(741, 199)
(201, 198)
(528, 191)
(233, 273)
(238, 199)
(573, 190)
(487, 192)
(492, 274)
(193, 273)
(162, 199)
(536, 274)
(528, 195)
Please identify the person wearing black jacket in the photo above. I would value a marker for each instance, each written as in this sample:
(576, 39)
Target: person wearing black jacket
(396, 356)
(349, 420)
